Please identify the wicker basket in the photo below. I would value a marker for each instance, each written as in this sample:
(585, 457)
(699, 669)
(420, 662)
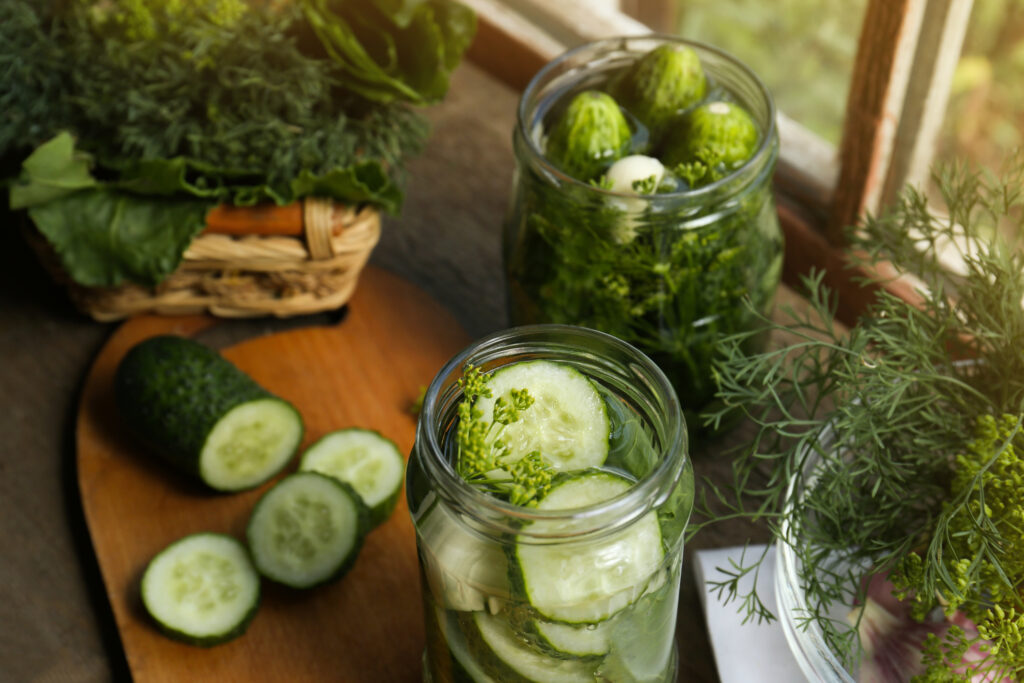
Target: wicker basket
(307, 267)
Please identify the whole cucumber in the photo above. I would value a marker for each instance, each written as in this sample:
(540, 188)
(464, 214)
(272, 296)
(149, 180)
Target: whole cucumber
(202, 414)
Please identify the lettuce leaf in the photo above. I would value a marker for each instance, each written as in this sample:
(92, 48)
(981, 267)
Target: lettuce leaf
(54, 170)
(104, 237)
(101, 234)
(393, 49)
(360, 182)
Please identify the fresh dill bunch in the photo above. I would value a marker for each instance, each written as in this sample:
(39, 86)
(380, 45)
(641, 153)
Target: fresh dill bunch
(875, 427)
(483, 459)
(708, 167)
(979, 546)
(215, 98)
(668, 291)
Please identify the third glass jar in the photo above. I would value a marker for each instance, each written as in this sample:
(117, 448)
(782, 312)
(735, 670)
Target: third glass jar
(670, 273)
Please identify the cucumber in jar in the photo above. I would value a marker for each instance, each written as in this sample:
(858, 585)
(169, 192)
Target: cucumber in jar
(587, 583)
(464, 570)
(501, 652)
(568, 421)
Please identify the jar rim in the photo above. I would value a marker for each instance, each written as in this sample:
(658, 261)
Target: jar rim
(763, 154)
(605, 516)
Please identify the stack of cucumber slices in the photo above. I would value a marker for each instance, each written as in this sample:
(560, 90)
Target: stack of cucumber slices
(519, 609)
(212, 421)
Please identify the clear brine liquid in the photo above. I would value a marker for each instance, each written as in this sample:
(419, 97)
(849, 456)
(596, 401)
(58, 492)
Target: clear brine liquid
(481, 628)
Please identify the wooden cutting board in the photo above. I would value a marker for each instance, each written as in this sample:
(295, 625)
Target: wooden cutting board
(364, 371)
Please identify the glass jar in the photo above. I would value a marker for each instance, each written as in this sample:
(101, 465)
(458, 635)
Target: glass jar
(619, 558)
(668, 272)
(806, 637)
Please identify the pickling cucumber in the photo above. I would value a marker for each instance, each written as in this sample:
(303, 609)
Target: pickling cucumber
(202, 589)
(589, 581)
(503, 654)
(306, 530)
(202, 414)
(370, 463)
(568, 421)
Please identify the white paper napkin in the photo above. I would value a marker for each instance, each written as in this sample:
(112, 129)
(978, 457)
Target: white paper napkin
(751, 651)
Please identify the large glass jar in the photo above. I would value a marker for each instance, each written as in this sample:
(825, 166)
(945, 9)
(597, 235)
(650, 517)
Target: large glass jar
(666, 272)
(603, 606)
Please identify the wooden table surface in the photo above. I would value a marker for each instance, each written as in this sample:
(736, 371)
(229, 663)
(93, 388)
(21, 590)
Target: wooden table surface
(55, 622)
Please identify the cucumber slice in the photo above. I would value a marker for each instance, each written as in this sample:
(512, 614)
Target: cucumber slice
(501, 652)
(581, 583)
(565, 640)
(202, 589)
(568, 421)
(204, 415)
(370, 463)
(465, 572)
(306, 530)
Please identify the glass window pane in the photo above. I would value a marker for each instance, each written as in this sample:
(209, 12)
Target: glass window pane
(803, 49)
(985, 116)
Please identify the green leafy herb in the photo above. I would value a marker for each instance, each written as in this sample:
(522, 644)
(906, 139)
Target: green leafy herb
(393, 49)
(664, 270)
(214, 101)
(483, 460)
(667, 281)
(105, 237)
(905, 456)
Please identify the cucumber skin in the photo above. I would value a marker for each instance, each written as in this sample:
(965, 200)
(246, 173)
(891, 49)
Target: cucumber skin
(171, 391)
(208, 641)
(362, 529)
(526, 624)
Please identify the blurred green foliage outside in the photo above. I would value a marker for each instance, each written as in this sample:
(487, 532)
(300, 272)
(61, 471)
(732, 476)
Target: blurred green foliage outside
(985, 118)
(804, 51)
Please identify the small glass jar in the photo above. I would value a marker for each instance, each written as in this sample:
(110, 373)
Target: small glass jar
(667, 272)
(483, 622)
(807, 640)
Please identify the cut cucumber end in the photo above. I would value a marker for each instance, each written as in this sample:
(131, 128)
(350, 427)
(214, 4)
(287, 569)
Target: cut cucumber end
(306, 530)
(367, 461)
(568, 421)
(251, 443)
(202, 589)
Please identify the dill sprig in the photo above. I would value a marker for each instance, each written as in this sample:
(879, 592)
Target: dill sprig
(873, 427)
(230, 88)
(483, 459)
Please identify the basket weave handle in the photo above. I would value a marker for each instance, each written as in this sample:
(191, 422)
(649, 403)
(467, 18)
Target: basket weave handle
(319, 223)
(313, 218)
